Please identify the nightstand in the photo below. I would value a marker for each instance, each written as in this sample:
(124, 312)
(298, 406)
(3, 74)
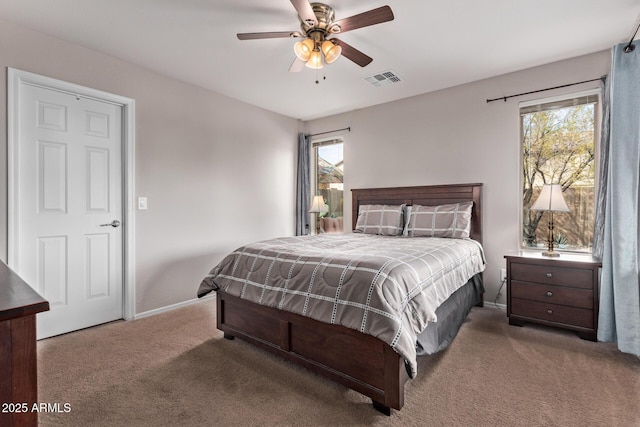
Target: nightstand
(561, 292)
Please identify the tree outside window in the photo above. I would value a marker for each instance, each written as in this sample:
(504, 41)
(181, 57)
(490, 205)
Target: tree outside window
(558, 147)
(329, 171)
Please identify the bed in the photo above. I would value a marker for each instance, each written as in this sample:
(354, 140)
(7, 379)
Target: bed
(366, 342)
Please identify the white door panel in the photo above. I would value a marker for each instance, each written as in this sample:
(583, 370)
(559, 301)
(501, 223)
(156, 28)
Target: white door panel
(69, 186)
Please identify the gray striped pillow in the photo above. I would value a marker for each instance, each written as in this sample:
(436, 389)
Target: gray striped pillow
(386, 220)
(452, 221)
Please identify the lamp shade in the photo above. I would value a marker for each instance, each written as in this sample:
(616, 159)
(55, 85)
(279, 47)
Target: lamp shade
(331, 51)
(551, 199)
(315, 60)
(318, 205)
(303, 49)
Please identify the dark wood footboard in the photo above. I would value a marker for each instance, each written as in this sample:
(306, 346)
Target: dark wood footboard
(358, 361)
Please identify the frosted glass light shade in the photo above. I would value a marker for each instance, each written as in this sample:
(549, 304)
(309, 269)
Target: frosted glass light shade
(315, 60)
(303, 49)
(331, 51)
(551, 199)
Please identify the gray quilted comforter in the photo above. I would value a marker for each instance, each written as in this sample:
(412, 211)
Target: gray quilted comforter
(388, 287)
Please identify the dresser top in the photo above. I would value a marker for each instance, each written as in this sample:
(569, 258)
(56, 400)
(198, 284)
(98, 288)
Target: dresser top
(17, 298)
(564, 257)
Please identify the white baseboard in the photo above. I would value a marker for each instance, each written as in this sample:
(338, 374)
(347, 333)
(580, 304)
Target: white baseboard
(155, 311)
(491, 304)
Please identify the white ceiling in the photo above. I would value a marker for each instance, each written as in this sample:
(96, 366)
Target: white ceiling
(431, 44)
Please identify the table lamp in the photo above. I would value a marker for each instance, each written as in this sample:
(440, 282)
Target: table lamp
(552, 200)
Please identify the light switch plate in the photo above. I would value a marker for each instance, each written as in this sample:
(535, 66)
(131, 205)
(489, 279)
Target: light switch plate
(142, 203)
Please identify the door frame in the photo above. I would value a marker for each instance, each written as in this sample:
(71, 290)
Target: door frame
(15, 78)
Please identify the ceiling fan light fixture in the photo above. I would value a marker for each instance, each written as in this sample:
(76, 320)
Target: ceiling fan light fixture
(304, 48)
(315, 60)
(317, 24)
(331, 51)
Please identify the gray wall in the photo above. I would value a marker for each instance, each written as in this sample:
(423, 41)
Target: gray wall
(218, 173)
(455, 136)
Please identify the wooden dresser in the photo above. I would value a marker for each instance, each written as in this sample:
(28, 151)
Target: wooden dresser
(19, 304)
(560, 292)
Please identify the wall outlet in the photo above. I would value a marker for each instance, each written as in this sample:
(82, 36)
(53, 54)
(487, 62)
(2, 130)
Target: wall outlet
(503, 274)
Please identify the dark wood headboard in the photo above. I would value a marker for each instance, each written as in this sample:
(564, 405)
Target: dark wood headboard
(427, 195)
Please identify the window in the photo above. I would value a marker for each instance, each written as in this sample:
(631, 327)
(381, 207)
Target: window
(558, 147)
(329, 168)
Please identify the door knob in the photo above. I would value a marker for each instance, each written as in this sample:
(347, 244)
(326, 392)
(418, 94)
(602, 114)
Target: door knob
(115, 223)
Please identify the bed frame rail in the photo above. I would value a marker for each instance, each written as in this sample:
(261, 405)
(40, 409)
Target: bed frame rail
(355, 360)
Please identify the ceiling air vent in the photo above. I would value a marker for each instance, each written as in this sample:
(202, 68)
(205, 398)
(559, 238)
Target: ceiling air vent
(383, 79)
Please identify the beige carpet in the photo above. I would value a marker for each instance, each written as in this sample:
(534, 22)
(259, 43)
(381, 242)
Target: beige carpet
(175, 369)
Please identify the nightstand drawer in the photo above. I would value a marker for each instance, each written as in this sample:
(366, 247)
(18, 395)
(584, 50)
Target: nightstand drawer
(552, 313)
(574, 297)
(564, 276)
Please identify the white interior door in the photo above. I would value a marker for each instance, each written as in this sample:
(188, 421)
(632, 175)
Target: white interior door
(69, 201)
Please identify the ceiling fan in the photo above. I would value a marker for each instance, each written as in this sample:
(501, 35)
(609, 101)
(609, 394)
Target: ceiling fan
(318, 25)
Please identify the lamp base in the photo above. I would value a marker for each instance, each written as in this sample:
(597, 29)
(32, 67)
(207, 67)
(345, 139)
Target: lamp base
(550, 254)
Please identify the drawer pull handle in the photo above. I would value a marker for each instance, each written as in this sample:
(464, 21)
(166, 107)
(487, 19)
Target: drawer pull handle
(549, 294)
(549, 311)
(549, 275)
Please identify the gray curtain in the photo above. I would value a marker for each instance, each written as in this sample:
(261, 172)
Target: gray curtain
(303, 186)
(603, 170)
(619, 317)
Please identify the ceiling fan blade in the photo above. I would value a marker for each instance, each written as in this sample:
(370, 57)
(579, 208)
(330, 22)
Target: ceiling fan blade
(269, 35)
(365, 19)
(353, 54)
(297, 65)
(305, 11)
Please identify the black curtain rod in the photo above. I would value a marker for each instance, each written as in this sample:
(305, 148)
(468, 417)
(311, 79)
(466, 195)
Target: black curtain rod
(630, 48)
(504, 98)
(331, 131)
